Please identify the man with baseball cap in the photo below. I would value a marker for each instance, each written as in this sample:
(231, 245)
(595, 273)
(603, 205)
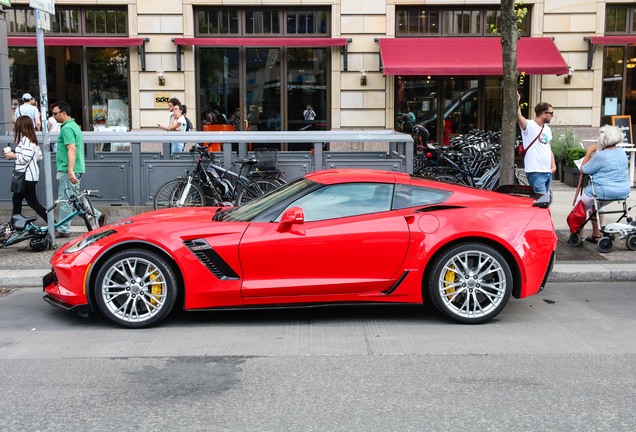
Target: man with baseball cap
(28, 110)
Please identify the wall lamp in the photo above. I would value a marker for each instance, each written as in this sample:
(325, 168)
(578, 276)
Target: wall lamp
(363, 77)
(568, 78)
(161, 78)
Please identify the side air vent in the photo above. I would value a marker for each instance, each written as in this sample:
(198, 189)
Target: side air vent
(209, 258)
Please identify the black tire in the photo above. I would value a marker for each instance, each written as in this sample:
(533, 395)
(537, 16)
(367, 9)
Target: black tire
(135, 288)
(630, 242)
(465, 296)
(575, 240)
(255, 190)
(168, 195)
(90, 220)
(605, 244)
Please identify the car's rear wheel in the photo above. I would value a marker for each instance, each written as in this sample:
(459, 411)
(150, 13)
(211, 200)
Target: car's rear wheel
(136, 288)
(470, 283)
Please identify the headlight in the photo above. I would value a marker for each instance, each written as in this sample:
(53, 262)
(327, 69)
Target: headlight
(87, 241)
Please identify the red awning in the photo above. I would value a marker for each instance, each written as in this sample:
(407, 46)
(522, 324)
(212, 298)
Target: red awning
(612, 40)
(262, 42)
(467, 56)
(30, 41)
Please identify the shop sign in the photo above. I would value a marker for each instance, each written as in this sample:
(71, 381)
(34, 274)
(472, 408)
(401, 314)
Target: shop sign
(161, 99)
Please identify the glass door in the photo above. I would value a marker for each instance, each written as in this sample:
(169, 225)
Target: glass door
(263, 89)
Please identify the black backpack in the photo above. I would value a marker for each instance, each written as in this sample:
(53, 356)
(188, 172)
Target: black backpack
(189, 126)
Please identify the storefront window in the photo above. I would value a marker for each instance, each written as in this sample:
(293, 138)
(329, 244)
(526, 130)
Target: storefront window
(219, 87)
(108, 88)
(307, 89)
(265, 88)
(93, 80)
(450, 21)
(449, 106)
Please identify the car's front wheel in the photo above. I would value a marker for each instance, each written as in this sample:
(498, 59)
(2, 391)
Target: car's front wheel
(470, 283)
(136, 288)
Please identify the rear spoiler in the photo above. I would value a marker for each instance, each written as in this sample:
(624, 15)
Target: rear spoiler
(541, 200)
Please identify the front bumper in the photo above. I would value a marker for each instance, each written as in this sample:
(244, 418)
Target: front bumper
(56, 295)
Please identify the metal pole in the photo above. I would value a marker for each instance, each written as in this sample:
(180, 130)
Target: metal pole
(44, 108)
(6, 122)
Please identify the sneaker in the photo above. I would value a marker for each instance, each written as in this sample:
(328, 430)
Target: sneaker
(102, 219)
(59, 234)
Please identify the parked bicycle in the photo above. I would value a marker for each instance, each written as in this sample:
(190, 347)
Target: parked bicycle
(216, 185)
(21, 228)
(471, 159)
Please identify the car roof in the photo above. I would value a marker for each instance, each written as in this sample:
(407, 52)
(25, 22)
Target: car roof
(335, 176)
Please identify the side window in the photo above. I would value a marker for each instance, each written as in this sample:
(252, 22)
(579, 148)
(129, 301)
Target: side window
(343, 200)
(412, 196)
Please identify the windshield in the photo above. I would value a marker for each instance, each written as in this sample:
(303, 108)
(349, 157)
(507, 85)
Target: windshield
(252, 209)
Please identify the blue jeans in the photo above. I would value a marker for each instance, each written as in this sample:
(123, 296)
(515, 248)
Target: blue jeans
(541, 182)
(176, 148)
(64, 190)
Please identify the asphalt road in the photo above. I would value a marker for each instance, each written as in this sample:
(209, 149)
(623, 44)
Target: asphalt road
(563, 360)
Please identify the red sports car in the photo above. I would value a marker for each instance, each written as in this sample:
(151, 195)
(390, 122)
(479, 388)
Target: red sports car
(338, 236)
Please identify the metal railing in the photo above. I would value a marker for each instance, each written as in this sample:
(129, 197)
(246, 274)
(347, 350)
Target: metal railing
(132, 176)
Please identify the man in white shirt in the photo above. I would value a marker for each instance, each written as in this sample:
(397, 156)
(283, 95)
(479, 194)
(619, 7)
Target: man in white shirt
(538, 160)
(28, 110)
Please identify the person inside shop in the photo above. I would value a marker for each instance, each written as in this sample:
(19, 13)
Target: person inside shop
(309, 113)
(273, 121)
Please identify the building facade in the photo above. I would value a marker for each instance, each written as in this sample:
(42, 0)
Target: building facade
(325, 64)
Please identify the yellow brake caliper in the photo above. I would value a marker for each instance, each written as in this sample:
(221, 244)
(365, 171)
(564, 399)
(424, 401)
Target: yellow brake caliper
(155, 288)
(449, 278)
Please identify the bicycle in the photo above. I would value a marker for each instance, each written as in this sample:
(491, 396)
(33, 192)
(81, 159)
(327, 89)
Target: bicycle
(21, 228)
(216, 186)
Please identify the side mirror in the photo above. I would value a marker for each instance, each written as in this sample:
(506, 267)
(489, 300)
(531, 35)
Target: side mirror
(291, 216)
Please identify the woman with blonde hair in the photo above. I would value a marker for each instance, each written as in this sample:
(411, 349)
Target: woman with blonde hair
(27, 154)
(606, 163)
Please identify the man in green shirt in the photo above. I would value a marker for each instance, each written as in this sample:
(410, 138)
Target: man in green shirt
(70, 163)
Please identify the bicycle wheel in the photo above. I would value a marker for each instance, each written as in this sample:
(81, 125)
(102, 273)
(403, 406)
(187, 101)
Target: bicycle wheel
(169, 194)
(87, 212)
(255, 190)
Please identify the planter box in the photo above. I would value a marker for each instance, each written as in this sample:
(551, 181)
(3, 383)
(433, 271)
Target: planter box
(571, 176)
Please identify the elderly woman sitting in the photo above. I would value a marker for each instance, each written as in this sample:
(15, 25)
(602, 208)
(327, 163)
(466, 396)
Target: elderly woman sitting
(607, 165)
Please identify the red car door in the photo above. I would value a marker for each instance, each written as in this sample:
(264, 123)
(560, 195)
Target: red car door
(348, 255)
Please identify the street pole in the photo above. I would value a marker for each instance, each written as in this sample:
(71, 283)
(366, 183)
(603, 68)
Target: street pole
(44, 108)
(6, 122)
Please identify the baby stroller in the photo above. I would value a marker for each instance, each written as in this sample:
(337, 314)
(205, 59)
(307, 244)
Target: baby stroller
(577, 220)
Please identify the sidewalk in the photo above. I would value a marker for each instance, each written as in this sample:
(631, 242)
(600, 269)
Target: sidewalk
(20, 267)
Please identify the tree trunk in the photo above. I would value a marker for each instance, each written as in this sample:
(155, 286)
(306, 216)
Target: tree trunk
(509, 37)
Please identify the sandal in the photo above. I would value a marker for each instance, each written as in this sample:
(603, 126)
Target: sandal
(592, 239)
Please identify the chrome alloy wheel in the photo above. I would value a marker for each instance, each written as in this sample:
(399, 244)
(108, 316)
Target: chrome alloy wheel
(471, 283)
(136, 288)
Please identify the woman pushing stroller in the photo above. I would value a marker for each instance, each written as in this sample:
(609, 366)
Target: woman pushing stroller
(606, 163)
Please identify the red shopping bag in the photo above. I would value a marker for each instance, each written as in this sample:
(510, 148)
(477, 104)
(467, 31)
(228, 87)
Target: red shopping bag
(577, 217)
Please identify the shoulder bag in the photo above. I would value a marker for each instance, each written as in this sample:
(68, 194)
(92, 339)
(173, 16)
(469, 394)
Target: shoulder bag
(18, 179)
(523, 150)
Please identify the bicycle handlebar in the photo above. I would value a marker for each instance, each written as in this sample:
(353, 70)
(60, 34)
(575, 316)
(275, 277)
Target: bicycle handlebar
(72, 198)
